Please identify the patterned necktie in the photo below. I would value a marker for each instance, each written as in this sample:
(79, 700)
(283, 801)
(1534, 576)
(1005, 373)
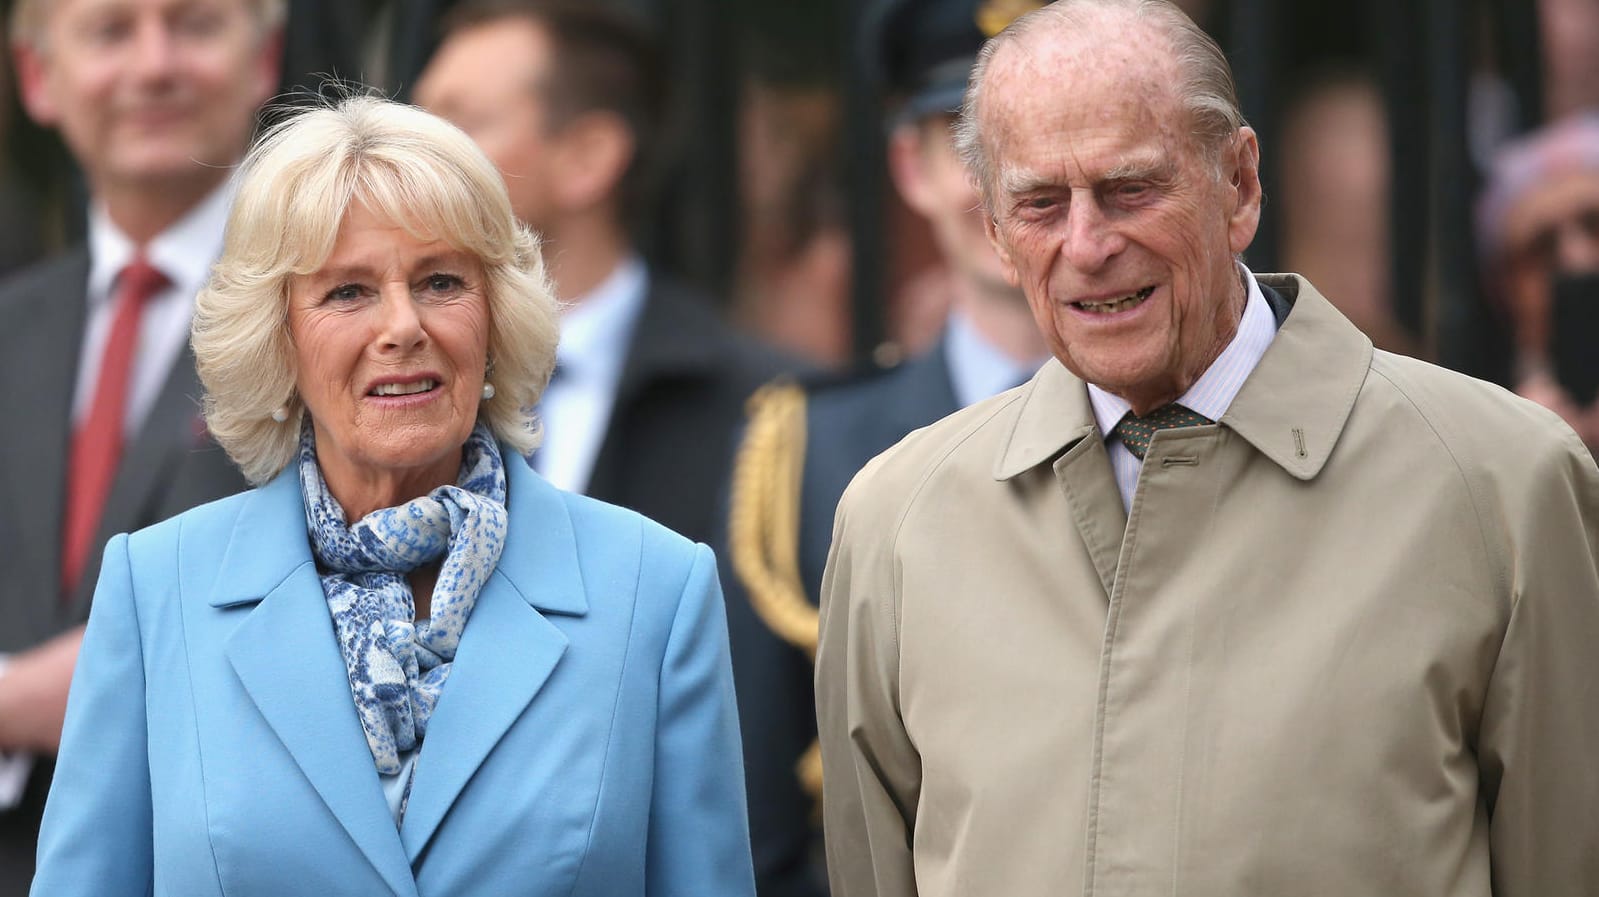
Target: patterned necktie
(1136, 432)
(97, 444)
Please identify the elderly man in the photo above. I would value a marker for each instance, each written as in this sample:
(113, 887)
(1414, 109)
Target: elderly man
(156, 100)
(804, 444)
(1222, 602)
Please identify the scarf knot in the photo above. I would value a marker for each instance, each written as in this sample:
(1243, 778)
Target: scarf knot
(397, 666)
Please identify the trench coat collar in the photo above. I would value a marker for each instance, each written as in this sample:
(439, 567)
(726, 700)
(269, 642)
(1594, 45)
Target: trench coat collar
(289, 663)
(1292, 408)
(1294, 405)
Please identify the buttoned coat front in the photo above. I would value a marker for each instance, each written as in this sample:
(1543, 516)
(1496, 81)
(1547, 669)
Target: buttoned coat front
(1342, 643)
(586, 742)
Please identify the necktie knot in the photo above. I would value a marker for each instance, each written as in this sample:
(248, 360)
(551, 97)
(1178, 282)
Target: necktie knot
(1137, 432)
(139, 281)
(97, 443)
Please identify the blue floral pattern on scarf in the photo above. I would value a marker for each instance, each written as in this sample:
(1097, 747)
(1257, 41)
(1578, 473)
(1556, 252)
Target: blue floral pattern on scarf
(397, 667)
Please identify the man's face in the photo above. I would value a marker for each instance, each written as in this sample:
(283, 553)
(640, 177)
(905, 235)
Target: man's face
(935, 184)
(150, 94)
(488, 80)
(1118, 227)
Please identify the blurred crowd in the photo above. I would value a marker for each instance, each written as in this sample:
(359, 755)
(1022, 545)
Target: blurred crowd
(696, 182)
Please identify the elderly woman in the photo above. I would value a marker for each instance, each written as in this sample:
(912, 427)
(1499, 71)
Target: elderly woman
(404, 664)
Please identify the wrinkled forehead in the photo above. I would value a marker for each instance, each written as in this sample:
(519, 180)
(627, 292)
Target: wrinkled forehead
(1102, 103)
(1061, 75)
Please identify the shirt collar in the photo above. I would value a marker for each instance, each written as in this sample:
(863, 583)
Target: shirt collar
(1216, 388)
(183, 252)
(977, 368)
(596, 327)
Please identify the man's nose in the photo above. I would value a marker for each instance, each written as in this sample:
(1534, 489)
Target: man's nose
(1089, 240)
(154, 49)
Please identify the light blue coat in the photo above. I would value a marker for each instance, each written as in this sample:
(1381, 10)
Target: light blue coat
(586, 742)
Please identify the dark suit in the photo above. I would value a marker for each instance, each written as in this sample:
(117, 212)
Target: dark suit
(167, 467)
(846, 426)
(679, 404)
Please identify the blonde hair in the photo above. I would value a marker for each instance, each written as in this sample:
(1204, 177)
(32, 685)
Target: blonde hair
(28, 18)
(294, 187)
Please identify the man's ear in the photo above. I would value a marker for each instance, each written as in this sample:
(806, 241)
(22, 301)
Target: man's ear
(592, 155)
(907, 167)
(1242, 170)
(1001, 249)
(33, 84)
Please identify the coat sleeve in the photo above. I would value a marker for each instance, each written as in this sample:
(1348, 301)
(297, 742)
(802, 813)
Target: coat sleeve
(871, 773)
(96, 835)
(1540, 722)
(699, 842)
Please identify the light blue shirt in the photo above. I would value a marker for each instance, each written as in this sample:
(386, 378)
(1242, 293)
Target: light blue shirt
(576, 409)
(977, 368)
(1211, 394)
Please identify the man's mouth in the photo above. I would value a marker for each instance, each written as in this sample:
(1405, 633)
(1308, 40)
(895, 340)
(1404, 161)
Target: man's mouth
(1112, 306)
(404, 389)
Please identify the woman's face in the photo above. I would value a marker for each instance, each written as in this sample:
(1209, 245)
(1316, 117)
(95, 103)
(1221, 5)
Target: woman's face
(390, 340)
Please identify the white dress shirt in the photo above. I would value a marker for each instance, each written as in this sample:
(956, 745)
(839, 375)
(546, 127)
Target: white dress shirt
(977, 368)
(183, 252)
(14, 768)
(1210, 395)
(576, 408)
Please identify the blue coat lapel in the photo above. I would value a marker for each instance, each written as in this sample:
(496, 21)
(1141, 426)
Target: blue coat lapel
(507, 652)
(288, 659)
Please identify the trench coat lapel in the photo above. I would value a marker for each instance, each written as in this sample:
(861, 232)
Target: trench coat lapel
(507, 652)
(1293, 406)
(288, 659)
(1056, 423)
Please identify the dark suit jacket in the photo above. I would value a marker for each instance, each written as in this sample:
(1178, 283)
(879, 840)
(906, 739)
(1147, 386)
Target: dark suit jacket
(846, 426)
(679, 405)
(167, 467)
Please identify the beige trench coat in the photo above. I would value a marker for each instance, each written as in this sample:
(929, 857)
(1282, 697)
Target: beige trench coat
(1345, 643)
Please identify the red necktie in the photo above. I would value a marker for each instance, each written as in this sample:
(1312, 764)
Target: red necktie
(97, 444)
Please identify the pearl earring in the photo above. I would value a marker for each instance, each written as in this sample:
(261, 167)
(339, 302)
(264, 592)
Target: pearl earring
(280, 414)
(488, 390)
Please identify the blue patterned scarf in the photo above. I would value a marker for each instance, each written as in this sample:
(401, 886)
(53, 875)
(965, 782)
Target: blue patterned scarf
(397, 667)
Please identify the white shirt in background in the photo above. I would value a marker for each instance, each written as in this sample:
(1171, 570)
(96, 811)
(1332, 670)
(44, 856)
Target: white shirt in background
(576, 409)
(183, 252)
(978, 369)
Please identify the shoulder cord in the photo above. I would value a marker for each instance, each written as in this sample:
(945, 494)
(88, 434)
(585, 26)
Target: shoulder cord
(763, 529)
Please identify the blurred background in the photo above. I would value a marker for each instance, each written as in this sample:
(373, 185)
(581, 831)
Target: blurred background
(1381, 121)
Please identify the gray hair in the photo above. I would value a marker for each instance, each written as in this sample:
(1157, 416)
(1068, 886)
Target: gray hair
(1207, 92)
(295, 187)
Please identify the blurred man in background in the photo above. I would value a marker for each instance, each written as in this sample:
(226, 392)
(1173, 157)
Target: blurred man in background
(1538, 222)
(803, 445)
(566, 98)
(156, 100)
